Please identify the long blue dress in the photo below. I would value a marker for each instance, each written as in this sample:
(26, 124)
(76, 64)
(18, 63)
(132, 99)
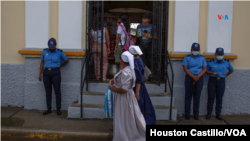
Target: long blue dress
(145, 103)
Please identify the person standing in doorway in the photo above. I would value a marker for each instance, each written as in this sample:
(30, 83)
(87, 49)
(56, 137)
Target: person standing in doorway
(121, 36)
(195, 66)
(96, 40)
(145, 30)
(140, 90)
(50, 67)
(218, 69)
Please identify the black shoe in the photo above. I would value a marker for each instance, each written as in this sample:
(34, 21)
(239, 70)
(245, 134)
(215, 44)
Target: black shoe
(59, 113)
(208, 116)
(187, 117)
(46, 112)
(219, 117)
(196, 117)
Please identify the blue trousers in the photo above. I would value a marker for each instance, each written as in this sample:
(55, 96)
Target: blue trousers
(216, 89)
(52, 77)
(192, 91)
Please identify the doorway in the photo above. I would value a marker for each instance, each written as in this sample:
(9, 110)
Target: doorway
(108, 12)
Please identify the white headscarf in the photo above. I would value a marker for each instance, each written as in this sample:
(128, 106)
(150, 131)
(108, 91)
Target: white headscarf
(135, 50)
(128, 58)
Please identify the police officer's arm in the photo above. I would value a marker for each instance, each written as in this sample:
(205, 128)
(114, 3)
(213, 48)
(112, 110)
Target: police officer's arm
(228, 73)
(64, 63)
(41, 69)
(204, 69)
(209, 69)
(230, 68)
(64, 58)
(185, 68)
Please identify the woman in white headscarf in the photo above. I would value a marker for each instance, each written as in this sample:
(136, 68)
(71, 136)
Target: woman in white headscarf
(140, 90)
(128, 121)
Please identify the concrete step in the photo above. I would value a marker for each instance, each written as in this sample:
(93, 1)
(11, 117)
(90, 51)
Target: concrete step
(96, 111)
(161, 99)
(102, 87)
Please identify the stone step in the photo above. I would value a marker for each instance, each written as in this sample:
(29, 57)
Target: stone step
(96, 111)
(161, 99)
(102, 87)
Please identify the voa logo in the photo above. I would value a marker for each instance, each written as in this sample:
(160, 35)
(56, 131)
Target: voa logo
(223, 17)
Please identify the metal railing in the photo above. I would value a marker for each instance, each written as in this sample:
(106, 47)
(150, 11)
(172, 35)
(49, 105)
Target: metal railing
(83, 80)
(167, 79)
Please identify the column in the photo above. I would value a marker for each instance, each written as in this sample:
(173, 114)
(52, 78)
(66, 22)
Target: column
(70, 24)
(186, 25)
(220, 17)
(36, 24)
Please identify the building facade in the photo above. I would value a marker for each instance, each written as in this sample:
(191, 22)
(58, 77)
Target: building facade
(27, 26)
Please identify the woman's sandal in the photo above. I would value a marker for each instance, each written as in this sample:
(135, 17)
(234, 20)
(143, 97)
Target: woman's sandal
(105, 80)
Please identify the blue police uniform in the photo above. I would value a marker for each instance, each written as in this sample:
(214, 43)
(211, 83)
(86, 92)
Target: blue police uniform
(195, 67)
(216, 83)
(52, 74)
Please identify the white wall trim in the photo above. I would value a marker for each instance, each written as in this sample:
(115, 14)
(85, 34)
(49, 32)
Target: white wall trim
(219, 31)
(70, 24)
(186, 25)
(37, 23)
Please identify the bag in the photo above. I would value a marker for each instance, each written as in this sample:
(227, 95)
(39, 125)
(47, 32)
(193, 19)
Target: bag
(147, 72)
(108, 103)
(129, 39)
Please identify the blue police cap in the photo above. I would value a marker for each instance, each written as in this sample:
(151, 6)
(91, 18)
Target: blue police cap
(52, 42)
(195, 46)
(219, 50)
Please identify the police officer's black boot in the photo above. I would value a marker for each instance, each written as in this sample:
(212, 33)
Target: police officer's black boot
(196, 117)
(219, 117)
(46, 112)
(187, 117)
(208, 116)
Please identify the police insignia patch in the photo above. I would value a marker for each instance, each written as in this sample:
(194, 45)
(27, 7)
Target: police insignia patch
(46, 54)
(190, 59)
(196, 45)
(51, 42)
(213, 65)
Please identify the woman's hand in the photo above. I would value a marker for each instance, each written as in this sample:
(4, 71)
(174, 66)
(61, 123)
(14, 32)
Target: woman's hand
(137, 95)
(111, 88)
(115, 49)
(111, 82)
(108, 51)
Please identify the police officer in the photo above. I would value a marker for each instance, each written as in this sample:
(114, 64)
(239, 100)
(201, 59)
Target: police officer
(195, 67)
(50, 66)
(218, 70)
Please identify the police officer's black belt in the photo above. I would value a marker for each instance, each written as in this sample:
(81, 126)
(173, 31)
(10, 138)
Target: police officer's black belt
(51, 68)
(218, 78)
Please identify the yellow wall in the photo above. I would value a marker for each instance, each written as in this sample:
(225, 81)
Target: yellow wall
(12, 31)
(171, 26)
(241, 34)
(54, 20)
(202, 35)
